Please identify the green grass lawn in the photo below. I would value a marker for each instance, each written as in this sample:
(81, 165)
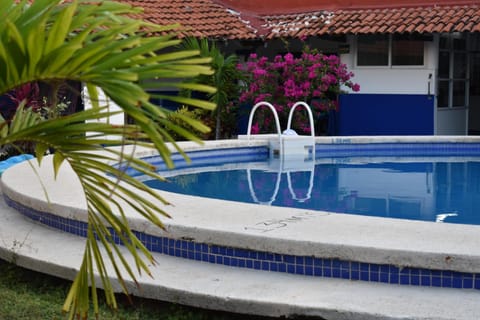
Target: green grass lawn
(25, 294)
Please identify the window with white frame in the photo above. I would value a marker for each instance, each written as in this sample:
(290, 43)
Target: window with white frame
(390, 50)
(452, 71)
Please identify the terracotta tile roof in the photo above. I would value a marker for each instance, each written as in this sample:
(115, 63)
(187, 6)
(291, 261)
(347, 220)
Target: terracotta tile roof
(213, 19)
(391, 20)
(200, 18)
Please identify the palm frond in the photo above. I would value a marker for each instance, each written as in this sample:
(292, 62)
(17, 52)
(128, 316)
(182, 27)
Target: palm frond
(101, 45)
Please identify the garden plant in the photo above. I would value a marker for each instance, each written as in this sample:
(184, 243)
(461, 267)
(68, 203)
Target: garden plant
(312, 77)
(102, 45)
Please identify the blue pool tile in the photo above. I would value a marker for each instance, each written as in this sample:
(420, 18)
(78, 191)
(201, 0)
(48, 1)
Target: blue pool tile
(457, 283)
(198, 246)
(270, 256)
(364, 275)
(198, 256)
(299, 260)
(374, 276)
(278, 257)
(299, 269)
(426, 280)
(308, 261)
(327, 272)
(261, 255)
(290, 268)
(327, 263)
(394, 278)
(336, 263)
(242, 263)
(241, 253)
(178, 244)
(191, 246)
(355, 266)
(477, 283)
(282, 267)
(218, 259)
(436, 281)
(447, 282)
(274, 266)
(384, 268)
(266, 265)
(249, 263)
(384, 277)
(252, 255)
(467, 283)
(257, 265)
(404, 279)
(309, 270)
(205, 248)
(336, 273)
(345, 274)
(394, 269)
(234, 262)
(227, 261)
(222, 251)
(289, 259)
(414, 271)
(415, 280)
(317, 262)
(317, 272)
(355, 275)
(229, 252)
(374, 268)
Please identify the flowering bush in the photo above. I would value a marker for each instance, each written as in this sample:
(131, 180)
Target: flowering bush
(314, 78)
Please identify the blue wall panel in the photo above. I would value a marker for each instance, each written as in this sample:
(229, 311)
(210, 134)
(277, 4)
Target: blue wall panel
(386, 114)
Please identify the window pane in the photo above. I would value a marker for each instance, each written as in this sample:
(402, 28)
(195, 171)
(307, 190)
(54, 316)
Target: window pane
(444, 65)
(458, 93)
(407, 52)
(442, 94)
(372, 50)
(459, 65)
(459, 42)
(443, 42)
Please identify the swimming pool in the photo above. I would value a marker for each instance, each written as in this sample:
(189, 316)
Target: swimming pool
(279, 239)
(437, 182)
(438, 189)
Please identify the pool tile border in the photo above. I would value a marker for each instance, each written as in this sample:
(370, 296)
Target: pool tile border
(270, 261)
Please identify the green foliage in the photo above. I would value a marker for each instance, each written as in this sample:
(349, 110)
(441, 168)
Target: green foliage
(27, 295)
(225, 78)
(101, 45)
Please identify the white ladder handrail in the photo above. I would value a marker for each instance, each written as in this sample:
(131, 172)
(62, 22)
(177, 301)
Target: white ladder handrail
(310, 116)
(310, 187)
(253, 193)
(252, 113)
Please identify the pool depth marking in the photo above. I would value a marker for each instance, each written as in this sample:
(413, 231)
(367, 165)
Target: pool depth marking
(275, 224)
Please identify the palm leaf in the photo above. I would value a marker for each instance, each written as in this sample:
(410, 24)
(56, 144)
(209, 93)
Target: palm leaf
(101, 45)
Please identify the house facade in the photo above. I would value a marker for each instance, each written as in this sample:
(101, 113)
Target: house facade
(417, 62)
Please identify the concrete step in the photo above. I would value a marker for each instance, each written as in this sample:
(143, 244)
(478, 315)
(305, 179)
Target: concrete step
(247, 291)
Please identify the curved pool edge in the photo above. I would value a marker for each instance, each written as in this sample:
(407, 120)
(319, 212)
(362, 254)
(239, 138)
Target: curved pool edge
(303, 233)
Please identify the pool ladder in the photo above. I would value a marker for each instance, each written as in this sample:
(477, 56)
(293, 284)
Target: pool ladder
(287, 145)
(289, 153)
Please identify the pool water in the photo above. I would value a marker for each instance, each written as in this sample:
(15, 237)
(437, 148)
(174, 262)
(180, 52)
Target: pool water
(439, 189)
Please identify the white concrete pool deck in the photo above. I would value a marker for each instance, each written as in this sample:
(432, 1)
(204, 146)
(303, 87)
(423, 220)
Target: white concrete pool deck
(271, 229)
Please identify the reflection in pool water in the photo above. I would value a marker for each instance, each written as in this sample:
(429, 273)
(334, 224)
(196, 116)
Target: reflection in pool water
(436, 189)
